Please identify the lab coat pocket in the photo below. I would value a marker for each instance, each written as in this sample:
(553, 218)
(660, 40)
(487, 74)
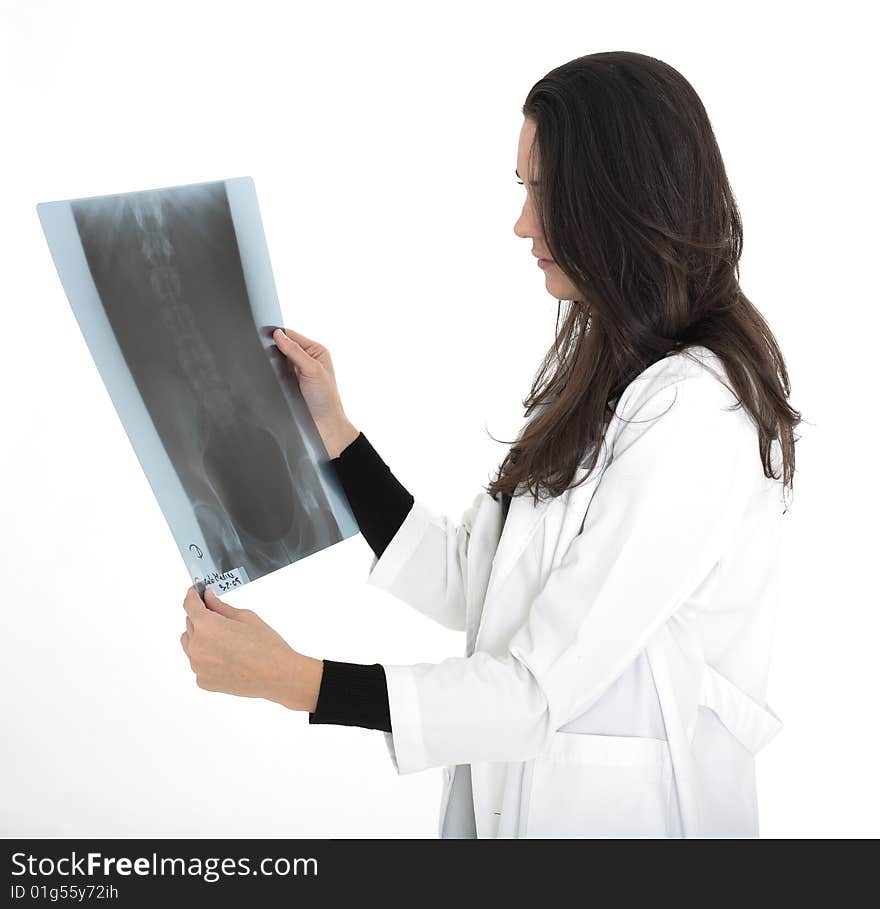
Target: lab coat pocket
(601, 786)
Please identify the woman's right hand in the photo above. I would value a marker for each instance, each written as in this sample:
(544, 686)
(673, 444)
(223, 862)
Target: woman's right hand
(317, 381)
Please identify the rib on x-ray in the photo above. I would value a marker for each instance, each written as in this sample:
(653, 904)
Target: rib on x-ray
(174, 294)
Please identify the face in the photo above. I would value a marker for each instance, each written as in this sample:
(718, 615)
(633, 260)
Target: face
(527, 226)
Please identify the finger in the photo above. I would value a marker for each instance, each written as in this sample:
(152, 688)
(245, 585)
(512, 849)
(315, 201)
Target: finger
(300, 339)
(215, 604)
(184, 642)
(190, 628)
(293, 350)
(193, 604)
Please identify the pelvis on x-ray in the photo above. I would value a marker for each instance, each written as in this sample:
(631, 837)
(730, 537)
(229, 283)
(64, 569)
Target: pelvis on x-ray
(173, 291)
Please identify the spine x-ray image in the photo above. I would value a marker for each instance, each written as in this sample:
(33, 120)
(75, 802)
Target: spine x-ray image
(173, 291)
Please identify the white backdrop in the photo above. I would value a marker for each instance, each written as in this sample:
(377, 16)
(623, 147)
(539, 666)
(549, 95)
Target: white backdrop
(382, 138)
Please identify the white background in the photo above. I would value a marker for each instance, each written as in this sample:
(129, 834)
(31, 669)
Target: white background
(382, 139)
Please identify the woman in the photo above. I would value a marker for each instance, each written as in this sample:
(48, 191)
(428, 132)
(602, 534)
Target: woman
(618, 630)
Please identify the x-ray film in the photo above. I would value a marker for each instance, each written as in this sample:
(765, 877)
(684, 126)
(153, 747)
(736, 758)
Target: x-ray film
(174, 294)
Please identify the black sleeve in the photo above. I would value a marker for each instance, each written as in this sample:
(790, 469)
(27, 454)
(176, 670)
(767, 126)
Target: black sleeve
(353, 694)
(379, 502)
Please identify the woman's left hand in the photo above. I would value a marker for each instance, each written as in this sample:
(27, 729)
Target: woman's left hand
(234, 651)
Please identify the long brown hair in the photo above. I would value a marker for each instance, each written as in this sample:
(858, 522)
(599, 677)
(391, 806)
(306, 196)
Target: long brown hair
(637, 211)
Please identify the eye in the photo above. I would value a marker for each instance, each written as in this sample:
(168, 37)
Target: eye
(520, 182)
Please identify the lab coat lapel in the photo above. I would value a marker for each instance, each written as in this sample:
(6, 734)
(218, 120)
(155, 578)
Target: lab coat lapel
(525, 516)
(523, 519)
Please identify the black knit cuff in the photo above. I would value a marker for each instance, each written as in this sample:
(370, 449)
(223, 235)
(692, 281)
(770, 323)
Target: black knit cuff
(353, 694)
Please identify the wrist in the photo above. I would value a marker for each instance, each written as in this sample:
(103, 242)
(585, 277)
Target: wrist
(302, 684)
(338, 435)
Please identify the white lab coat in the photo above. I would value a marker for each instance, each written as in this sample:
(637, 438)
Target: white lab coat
(617, 637)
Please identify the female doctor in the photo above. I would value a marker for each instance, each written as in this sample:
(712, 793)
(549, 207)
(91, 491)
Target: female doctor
(616, 582)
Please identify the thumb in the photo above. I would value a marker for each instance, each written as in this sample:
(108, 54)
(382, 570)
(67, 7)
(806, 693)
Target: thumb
(215, 604)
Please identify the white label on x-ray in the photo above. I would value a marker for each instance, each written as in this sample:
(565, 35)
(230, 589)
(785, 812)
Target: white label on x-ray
(223, 581)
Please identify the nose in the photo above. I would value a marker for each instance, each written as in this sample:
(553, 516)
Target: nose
(523, 227)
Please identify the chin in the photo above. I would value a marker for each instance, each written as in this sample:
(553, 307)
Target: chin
(557, 288)
(562, 290)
